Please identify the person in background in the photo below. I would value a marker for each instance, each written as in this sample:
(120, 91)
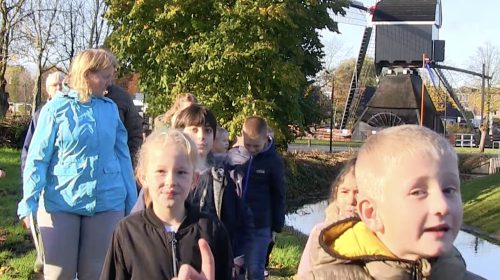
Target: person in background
(78, 176)
(182, 101)
(129, 116)
(258, 171)
(53, 84)
(2, 172)
(342, 204)
(221, 142)
(169, 228)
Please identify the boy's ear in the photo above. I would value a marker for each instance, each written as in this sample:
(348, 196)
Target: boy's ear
(367, 211)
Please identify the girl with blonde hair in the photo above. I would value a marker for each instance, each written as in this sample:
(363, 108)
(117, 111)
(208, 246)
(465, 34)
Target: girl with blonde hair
(169, 228)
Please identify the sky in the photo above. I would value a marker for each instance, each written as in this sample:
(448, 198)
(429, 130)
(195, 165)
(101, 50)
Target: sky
(467, 25)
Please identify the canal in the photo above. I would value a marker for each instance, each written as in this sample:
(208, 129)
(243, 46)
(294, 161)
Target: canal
(482, 257)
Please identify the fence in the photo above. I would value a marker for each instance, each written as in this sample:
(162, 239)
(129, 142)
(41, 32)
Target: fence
(465, 140)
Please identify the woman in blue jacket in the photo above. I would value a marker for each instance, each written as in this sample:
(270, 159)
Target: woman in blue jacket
(78, 176)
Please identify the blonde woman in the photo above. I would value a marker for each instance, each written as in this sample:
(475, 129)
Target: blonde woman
(78, 176)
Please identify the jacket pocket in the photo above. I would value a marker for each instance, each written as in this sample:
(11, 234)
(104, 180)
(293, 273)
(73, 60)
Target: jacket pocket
(112, 167)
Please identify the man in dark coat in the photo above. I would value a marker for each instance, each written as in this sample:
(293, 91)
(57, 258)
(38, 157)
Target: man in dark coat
(129, 116)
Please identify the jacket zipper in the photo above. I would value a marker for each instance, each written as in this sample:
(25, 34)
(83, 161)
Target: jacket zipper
(417, 270)
(175, 262)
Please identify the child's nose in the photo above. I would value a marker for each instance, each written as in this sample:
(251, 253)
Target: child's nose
(440, 204)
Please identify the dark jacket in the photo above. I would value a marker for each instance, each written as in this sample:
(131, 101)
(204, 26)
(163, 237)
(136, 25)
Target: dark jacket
(130, 118)
(260, 181)
(27, 139)
(141, 249)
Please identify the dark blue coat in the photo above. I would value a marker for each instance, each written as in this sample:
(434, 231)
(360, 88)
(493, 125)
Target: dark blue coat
(260, 181)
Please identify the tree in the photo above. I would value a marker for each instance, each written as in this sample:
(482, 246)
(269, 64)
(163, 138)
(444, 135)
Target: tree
(238, 57)
(20, 84)
(489, 56)
(39, 39)
(81, 25)
(11, 14)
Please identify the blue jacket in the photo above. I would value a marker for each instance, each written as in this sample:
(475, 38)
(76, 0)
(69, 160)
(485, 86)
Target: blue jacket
(260, 181)
(78, 159)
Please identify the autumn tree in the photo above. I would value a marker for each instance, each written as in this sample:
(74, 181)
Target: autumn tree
(239, 57)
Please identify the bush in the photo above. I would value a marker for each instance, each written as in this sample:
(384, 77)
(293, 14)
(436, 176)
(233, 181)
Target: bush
(308, 175)
(14, 131)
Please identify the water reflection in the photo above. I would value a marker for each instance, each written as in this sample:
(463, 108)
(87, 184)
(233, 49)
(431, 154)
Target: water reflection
(481, 256)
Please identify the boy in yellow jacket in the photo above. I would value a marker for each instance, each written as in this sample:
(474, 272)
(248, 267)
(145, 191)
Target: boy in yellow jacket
(410, 212)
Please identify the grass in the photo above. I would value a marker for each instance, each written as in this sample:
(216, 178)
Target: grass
(481, 198)
(286, 253)
(17, 253)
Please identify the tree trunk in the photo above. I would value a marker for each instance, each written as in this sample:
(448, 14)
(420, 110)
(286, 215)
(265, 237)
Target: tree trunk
(484, 131)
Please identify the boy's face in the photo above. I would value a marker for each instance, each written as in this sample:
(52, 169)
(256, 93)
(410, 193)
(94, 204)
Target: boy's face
(421, 212)
(346, 195)
(169, 176)
(254, 145)
(221, 142)
(202, 136)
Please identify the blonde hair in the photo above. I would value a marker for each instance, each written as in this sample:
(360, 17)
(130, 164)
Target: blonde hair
(167, 118)
(157, 140)
(90, 60)
(390, 147)
(255, 127)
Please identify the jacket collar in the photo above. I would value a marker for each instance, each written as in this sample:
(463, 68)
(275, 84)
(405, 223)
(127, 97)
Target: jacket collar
(191, 216)
(350, 241)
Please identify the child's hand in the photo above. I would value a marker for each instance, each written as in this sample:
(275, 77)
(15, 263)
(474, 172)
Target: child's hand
(2, 173)
(187, 272)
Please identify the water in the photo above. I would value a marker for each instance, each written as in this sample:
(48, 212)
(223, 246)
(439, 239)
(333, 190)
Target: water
(481, 256)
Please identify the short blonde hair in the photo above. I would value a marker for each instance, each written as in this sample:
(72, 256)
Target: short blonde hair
(388, 148)
(255, 127)
(90, 60)
(159, 139)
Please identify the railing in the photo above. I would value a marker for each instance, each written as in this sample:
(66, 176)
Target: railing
(465, 140)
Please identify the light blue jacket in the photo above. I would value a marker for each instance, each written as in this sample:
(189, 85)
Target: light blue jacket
(78, 159)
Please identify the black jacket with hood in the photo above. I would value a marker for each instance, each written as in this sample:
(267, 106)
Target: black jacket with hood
(142, 249)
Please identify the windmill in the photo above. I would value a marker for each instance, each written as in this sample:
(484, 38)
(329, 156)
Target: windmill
(406, 40)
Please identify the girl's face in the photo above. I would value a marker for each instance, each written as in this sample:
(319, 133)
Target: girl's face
(169, 176)
(346, 195)
(99, 81)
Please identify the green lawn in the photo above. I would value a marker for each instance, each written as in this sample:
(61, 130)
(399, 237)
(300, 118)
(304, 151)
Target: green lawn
(17, 253)
(481, 199)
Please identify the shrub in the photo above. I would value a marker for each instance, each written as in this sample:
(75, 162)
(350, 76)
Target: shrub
(14, 131)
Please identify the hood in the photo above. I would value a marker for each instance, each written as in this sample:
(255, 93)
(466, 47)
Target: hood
(351, 241)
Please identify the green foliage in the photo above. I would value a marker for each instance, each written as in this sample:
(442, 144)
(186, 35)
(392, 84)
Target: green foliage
(239, 57)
